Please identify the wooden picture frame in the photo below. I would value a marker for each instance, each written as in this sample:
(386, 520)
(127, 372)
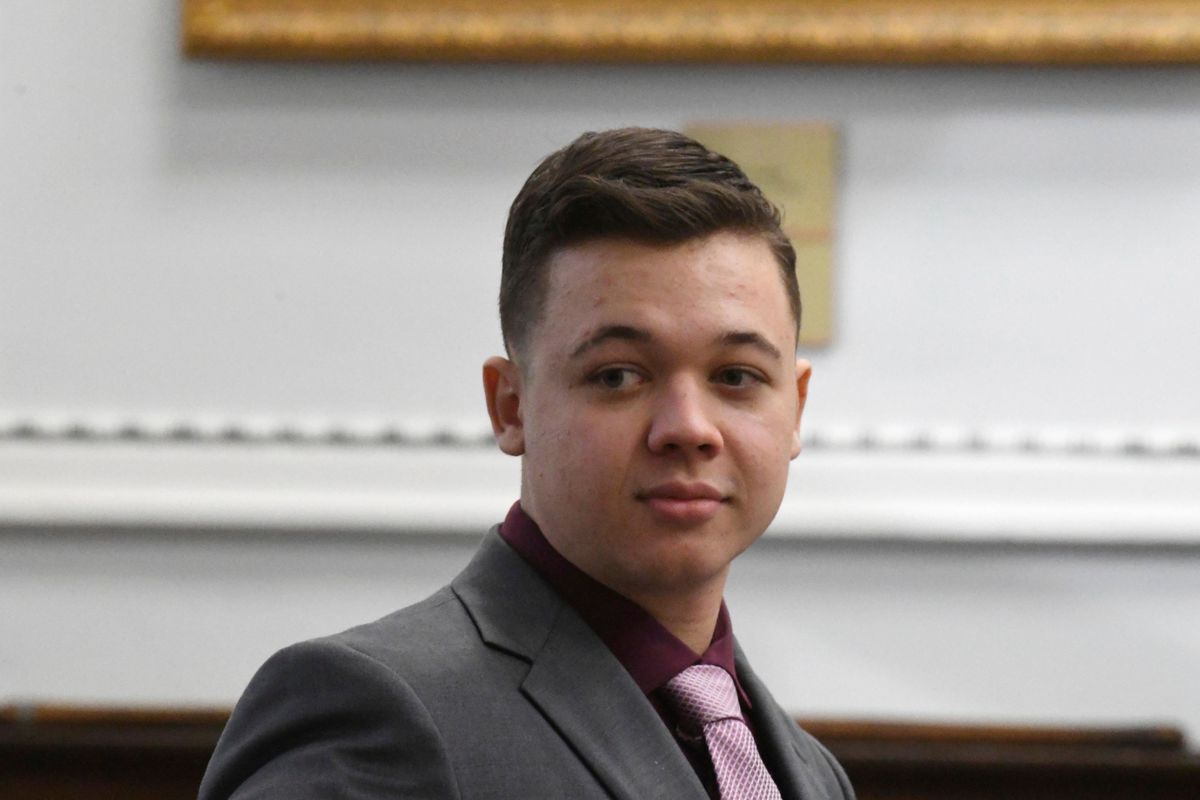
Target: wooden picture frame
(1032, 32)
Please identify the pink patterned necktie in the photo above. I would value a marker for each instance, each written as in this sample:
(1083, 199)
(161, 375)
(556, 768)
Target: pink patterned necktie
(704, 698)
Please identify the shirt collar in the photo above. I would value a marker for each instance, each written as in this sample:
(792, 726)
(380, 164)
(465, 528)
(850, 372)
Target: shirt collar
(649, 652)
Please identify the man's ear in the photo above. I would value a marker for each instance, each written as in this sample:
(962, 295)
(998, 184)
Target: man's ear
(502, 390)
(803, 373)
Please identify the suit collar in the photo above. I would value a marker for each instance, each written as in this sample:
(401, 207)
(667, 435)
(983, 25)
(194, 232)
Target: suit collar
(574, 680)
(512, 608)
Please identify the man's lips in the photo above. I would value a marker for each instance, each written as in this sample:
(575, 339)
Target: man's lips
(682, 490)
(682, 502)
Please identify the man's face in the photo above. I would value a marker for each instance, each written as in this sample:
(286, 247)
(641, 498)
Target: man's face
(658, 408)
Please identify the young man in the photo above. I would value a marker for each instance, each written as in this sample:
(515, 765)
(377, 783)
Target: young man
(649, 308)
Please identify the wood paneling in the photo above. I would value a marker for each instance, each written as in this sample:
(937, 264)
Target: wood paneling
(62, 753)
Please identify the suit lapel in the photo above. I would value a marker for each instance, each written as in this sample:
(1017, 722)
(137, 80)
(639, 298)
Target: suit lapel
(590, 698)
(775, 738)
(573, 679)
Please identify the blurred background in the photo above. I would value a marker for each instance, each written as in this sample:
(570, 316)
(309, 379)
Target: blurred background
(243, 308)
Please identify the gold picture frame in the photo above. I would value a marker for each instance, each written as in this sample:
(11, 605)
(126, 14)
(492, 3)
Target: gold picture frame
(1034, 32)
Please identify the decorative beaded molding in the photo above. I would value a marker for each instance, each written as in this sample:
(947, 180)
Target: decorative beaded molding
(855, 483)
(1165, 443)
(218, 431)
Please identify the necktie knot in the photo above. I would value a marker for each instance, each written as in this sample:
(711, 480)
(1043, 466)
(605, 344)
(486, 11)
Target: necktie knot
(702, 694)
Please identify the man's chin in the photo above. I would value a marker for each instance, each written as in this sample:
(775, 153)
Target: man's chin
(673, 574)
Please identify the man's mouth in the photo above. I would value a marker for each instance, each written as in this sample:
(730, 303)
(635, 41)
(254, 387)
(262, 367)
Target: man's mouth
(683, 502)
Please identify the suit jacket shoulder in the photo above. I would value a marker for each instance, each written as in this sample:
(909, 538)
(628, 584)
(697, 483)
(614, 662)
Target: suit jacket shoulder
(319, 719)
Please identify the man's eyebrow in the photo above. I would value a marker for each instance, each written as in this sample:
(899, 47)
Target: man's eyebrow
(626, 333)
(755, 340)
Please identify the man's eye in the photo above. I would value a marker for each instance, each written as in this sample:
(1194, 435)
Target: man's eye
(736, 377)
(615, 378)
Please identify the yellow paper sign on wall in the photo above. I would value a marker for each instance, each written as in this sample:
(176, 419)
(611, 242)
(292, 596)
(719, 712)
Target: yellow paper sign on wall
(795, 166)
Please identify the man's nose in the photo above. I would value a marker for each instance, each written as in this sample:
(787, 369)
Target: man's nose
(683, 421)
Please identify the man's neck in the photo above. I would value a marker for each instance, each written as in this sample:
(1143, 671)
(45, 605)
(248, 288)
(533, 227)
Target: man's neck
(690, 617)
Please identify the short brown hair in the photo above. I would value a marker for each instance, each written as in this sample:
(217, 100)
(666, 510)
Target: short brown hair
(647, 185)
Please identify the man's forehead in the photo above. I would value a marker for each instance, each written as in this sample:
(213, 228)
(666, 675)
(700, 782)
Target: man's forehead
(725, 288)
(727, 338)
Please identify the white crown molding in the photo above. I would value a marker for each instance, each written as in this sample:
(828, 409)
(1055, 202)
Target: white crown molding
(851, 484)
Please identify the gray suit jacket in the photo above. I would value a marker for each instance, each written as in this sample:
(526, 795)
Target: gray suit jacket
(491, 688)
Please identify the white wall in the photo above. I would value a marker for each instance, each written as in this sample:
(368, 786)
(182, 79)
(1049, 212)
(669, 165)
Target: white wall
(912, 631)
(999, 514)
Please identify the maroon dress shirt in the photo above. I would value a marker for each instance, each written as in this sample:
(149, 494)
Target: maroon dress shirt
(649, 652)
